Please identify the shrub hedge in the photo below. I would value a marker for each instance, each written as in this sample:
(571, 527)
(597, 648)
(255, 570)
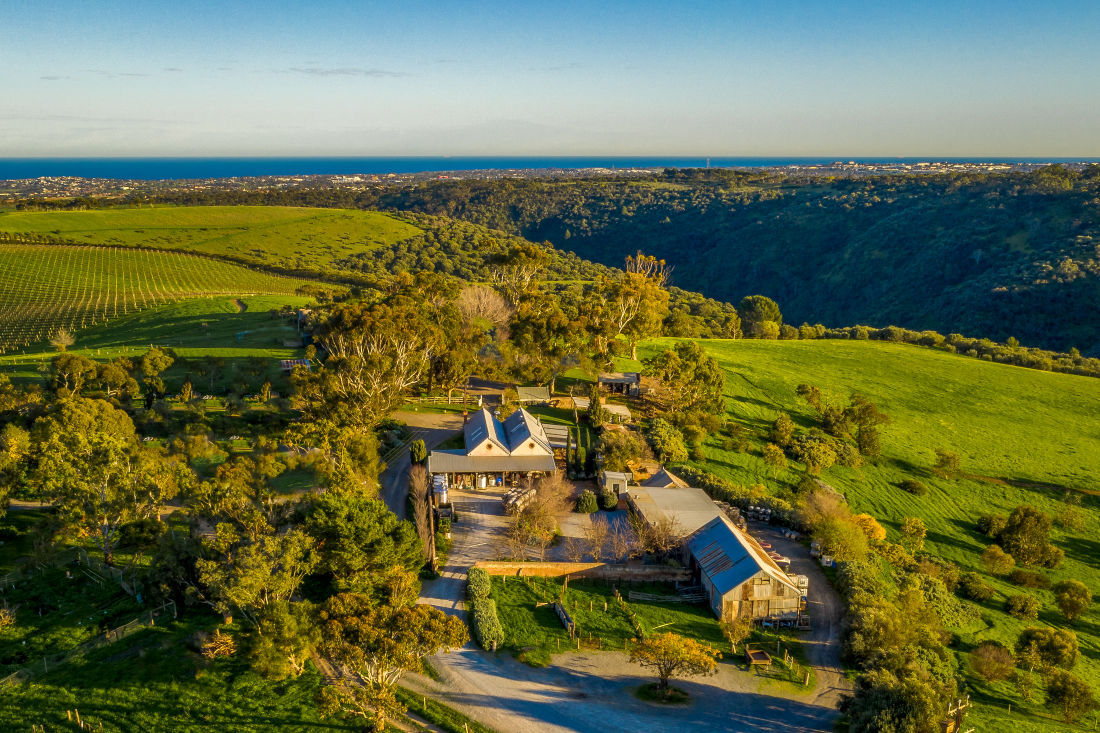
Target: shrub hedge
(486, 625)
(478, 584)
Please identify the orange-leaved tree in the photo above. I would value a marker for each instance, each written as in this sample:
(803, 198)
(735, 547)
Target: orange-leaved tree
(671, 655)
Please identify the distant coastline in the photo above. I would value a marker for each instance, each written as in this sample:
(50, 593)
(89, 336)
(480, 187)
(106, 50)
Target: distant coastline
(163, 169)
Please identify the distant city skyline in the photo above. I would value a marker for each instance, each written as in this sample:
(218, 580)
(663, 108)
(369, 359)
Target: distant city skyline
(725, 79)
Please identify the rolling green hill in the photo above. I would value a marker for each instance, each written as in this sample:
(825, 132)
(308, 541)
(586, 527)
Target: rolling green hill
(1025, 437)
(287, 238)
(47, 287)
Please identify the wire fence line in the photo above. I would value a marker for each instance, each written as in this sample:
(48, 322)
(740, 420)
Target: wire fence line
(44, 665)
(92, 568)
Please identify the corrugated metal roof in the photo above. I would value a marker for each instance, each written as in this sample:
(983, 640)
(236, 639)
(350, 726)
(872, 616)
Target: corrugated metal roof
(690, 508)
(620, 377)
(618, 410)
(521, 426)
(533, 394)
(456, 461)
(481, 424)
(664, 480)
(558, 435)
(729, 557)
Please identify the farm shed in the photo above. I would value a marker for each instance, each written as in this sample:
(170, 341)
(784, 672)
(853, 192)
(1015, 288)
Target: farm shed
(288, 365)
(737, 574)
(537, 395)
(620, 413)
(739, 577)
(625, 383)
(690, 508)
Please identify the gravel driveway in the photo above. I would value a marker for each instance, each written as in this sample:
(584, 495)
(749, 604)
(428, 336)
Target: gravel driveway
(433, 428)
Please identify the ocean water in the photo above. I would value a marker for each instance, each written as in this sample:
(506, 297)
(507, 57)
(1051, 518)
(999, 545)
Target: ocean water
(160, 169)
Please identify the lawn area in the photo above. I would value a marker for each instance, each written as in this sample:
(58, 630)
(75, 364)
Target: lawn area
(563, 416)
(295, 480)
(156, 681)
(1025, 437)
(285, 237)
(536, 634)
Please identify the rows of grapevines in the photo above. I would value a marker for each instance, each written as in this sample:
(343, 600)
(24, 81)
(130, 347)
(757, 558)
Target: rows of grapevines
(45, 288)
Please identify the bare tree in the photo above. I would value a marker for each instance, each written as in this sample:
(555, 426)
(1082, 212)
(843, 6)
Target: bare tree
(622, 542)
(518, 537)
(574, 549)
(595, 536)
(62, 339)
(664, 535)
(476, 302)
(418, 487)
(639, 532)
(553, 497)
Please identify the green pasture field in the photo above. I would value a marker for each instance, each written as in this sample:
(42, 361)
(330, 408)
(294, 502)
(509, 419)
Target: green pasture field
(194, 328)
(1025, 437)
(43, 287)
(155, 680)
(286, 237)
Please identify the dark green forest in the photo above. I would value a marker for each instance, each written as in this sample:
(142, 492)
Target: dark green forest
(987, 255)
(995, 256)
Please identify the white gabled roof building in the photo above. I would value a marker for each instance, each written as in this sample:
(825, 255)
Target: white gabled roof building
(516, 445)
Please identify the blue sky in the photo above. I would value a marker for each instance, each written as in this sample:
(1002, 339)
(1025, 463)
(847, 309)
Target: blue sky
(564, 78)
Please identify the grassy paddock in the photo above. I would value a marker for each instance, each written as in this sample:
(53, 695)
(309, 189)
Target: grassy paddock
(439, 714)
(156, 681)
(20, 521)
(1025, 437)
(286, 237)
(55, 614)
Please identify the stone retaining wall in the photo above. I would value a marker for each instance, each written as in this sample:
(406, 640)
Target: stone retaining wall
(586, 570)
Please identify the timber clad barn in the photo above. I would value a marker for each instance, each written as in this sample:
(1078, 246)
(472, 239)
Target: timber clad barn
(736, 573)
(739, 577)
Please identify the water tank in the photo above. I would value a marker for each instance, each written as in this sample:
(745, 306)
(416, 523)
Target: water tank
(481, 482)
